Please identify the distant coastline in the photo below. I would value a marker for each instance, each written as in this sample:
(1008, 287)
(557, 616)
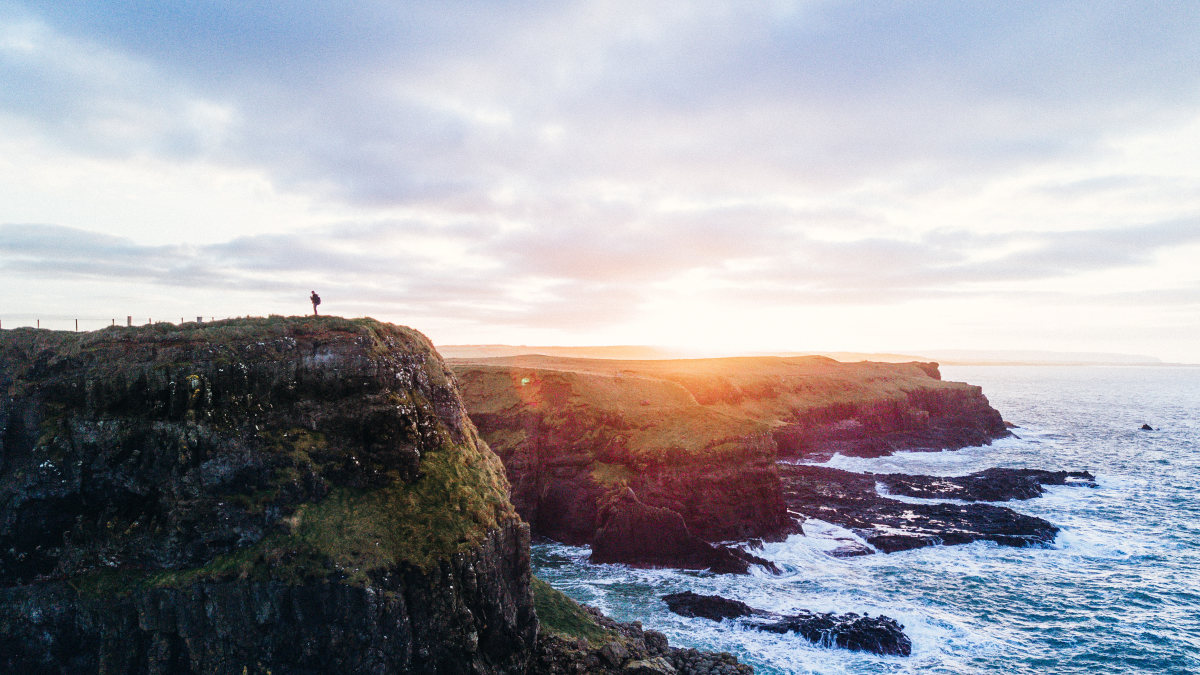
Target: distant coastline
(947, 357)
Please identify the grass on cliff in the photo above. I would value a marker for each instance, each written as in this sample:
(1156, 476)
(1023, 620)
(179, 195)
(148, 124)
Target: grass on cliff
(641, 413)
(461, 495)
(236, 332)
(562, 616)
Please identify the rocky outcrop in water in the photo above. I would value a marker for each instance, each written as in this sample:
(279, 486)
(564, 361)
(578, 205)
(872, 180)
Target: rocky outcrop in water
(851, 500)
(990, 485)
(879, 635)
(272, 495)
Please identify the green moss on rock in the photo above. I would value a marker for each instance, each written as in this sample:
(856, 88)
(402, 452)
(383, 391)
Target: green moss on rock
(565, 618)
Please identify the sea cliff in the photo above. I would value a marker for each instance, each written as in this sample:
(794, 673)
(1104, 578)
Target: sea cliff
(587, 442)
(257, 495)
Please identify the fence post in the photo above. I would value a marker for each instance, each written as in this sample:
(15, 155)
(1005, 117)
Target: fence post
(129, 320)
(76, 325)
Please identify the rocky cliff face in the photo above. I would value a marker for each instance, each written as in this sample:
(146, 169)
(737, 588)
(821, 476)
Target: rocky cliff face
(922, 418)
(282, 495)
(569, 438)
(699, 438)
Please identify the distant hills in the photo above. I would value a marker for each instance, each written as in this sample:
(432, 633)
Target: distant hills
(625, 352)
(958, 357)
(1039, 357)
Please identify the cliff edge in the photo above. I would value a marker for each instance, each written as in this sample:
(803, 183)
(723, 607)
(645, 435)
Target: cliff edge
(254, 495)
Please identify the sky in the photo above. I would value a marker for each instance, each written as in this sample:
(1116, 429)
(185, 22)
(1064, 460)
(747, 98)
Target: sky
(722, 176)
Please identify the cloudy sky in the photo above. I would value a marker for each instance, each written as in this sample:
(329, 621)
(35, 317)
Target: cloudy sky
(878, 176)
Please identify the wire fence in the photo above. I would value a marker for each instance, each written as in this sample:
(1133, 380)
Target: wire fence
(94, 323)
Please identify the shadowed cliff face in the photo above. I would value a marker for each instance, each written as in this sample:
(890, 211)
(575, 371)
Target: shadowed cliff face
(700, 437)
(289, 494)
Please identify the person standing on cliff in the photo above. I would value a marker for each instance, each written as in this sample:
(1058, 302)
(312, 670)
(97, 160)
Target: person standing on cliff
(316, 300)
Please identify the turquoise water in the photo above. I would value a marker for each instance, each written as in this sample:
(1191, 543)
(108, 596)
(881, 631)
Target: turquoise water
(1118, 592)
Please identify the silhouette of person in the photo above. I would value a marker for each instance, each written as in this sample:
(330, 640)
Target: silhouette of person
(316, 300)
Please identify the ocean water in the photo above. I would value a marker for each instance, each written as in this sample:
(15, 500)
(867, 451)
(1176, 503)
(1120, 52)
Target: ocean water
(1117, 592)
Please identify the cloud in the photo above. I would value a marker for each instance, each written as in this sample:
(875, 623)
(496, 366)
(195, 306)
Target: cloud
(590, 280)
(401, 103)
(573, 164)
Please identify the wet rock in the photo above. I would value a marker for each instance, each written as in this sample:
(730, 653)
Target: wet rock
(712, 607)
(1147, 427)
(992, 485)
(850, 500)
(879, 635)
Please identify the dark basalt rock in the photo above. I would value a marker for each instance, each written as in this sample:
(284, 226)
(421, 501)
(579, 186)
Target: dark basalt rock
(992, 485)
(637, 534)
(711, 607)
(469, 615)
(851, 500)
(879, 635)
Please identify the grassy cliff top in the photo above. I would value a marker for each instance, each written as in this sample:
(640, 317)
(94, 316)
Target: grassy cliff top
(224, 333)
(762, 386)
(684, 407)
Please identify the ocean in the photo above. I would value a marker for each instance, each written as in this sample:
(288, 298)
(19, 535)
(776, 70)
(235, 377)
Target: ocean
(1117, 592)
